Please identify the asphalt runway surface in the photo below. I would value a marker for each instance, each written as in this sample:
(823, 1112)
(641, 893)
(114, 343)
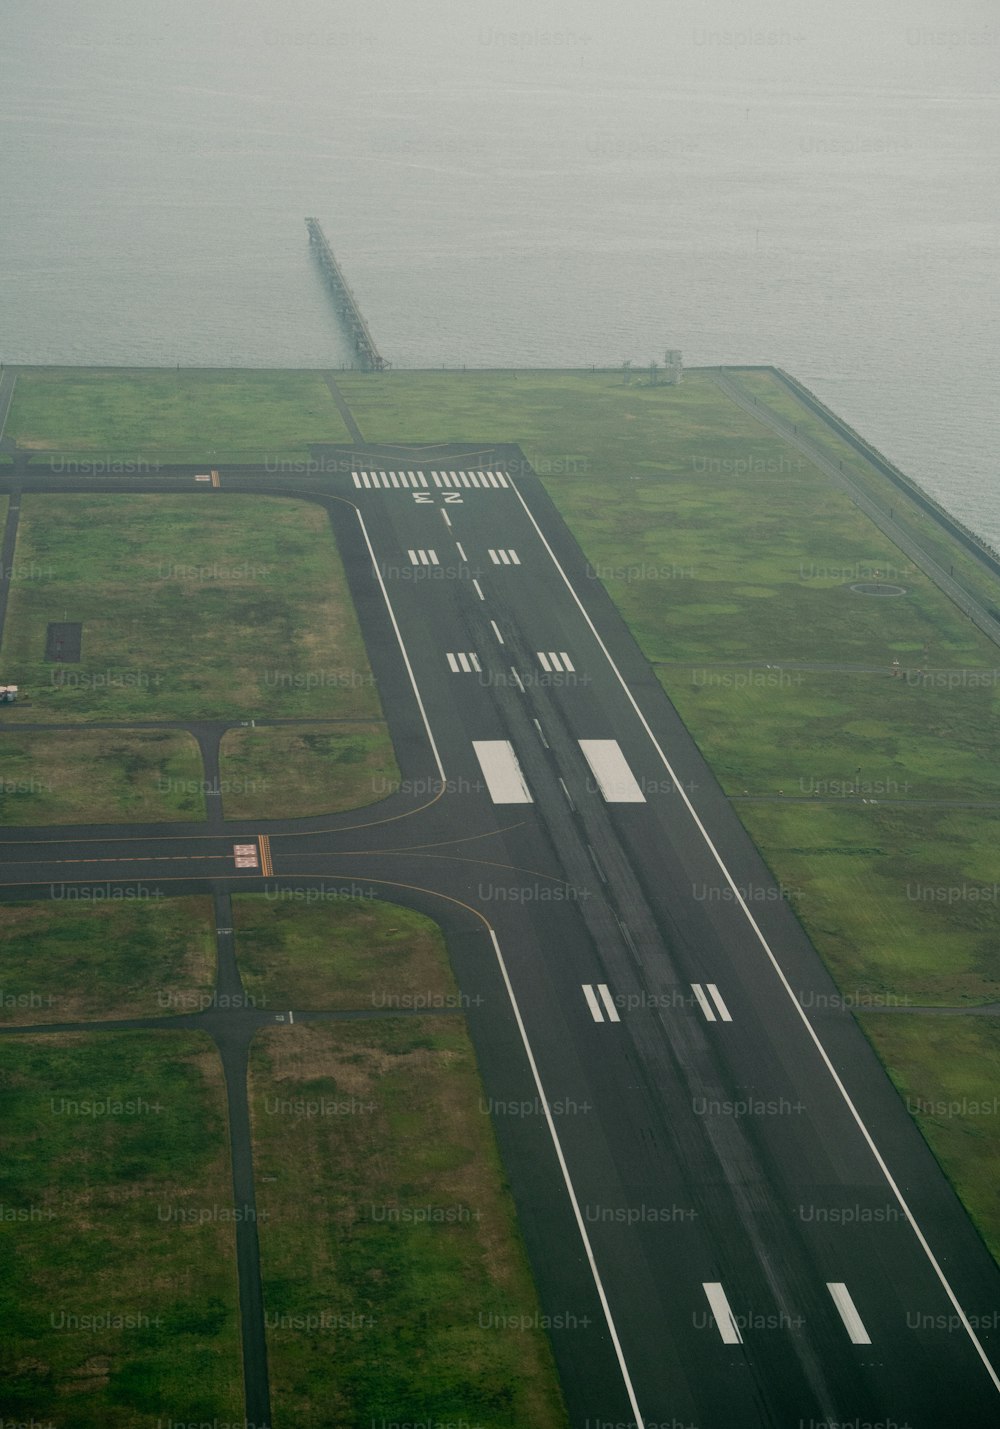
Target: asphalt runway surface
(731, 1216)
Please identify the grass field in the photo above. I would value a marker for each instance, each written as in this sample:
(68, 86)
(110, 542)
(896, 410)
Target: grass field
(117, 1286)
(309, 770)
(191, 606)
(390, 1250)
(339, 952)
(948, 1071)
(148, 415)
(93, 776)
(102, 959)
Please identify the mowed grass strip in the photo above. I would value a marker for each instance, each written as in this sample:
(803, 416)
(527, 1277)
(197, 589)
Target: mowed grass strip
(192, 414)
(809, 734)
(316, 948)
(94, 776)
(104, 955)
(390, 1250)
(948, 1070)
(117, 1274)
(953, 557)
(902, 903)
(274, 772)
(200, 606)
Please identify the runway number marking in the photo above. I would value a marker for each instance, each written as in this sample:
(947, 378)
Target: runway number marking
(725, 1320)
(848, 1312)
(596, 1011)
(707, 1007)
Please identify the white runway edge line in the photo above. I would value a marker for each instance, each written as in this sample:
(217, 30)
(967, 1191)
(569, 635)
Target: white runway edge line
(567, 1181)
(848, 1312)
(725, 1320)
(758, 932)
(522, 1031)
(610, 768)
(501, 771)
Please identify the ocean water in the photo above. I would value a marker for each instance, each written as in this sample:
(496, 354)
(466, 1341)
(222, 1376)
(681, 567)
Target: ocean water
(516, 184)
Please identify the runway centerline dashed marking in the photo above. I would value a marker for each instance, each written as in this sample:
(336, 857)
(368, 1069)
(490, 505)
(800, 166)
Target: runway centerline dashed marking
(496, 631)
(461, 552)
(848, 1312)
(725, 1320)
(479, 590)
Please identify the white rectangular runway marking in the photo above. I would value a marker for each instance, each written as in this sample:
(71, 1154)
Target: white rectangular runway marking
(609, 1005)
(501, 771)
(724, 1318)
(543, 660)
(517, 679)
(357, 479)
(515, 558)
(717, 999)
(592, 1003)
(493, 556)
(496, 631)
(460, 550)
(478, 590)
(436, 479)
(453, 663)
(463, 661)
(394, 478)
(475, 664)
(364, 478)
(610, 768)
(447, 518)
(847, 1310)
(501, 478)
(413, 556)
(703, 1002)
(474, 478)
(464, 479)
(556, 662)
(421, 478)
(541, 736)
(567, 662)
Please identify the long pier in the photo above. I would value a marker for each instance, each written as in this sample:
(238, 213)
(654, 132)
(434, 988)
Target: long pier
(364, 344)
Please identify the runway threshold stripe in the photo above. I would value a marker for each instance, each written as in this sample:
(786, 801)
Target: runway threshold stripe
(515, 558)
(610, 768)
(543, 660)
(703, 1002)
(567, 662)
(609, 1005)
(463, 660)
(413, 557)
(592, 1003)
(453, 663)
(501, 771)
(848, 1312)
(357, 479)
(717, 999)
(725, 1321)
(475, 664)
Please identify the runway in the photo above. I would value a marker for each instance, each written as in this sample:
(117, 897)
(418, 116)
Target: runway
(731, 1216)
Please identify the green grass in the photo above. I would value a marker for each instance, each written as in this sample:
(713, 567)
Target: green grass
(411, 1298)
(948, 1069)
(66, 961)
(337, 952)
(195, 606)
(275, 772)
(901, 902)
(199, 415)
(97, 1199)
(93, 776)
(944, 549)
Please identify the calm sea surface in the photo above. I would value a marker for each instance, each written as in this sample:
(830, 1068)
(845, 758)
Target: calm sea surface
(524, 184)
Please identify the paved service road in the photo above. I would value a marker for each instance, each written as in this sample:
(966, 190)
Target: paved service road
(732, 1218)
